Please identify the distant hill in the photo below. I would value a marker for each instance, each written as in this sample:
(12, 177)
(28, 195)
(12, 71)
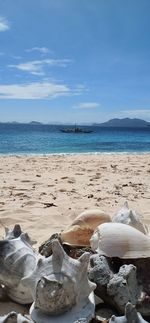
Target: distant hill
(126, 122)
(35, 123)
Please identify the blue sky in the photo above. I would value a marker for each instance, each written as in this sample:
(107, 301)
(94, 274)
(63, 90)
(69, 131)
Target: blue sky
(74, 60)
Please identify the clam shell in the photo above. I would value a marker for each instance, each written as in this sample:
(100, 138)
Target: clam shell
(82, 228)
(131, 217)
(120, 240)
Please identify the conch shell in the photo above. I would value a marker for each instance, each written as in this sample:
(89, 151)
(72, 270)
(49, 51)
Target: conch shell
(82, 228)
(120, 240)
(130, 217)
(131, 315)
(60, 286)
(17, 260)
(14, 317)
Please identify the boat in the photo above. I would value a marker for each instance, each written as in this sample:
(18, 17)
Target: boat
(75, 130)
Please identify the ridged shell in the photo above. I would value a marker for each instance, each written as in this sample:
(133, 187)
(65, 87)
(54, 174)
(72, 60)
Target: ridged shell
(120, 240)
(131, 217)
(131, 316)
(82, 228)
(17, 260)
(59, 283)
(14, 317)
(16, 233)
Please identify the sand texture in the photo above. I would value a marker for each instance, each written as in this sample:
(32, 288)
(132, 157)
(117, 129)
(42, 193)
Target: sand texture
(45, 193)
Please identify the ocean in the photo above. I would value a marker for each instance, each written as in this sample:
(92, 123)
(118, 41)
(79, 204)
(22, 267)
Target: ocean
(22, 139)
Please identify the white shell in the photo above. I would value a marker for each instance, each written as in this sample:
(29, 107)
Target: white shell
(82, 228)
(13, 317)
(59, 284)
(131, 316)
(17, 260)
(82, 312)
(130, 217)
(16, 233)
(120, 240)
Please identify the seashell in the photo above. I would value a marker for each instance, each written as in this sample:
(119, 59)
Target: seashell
(120, 240)
(130, 217)
(16, 232)
(131, 315)
(60, 286)
(82, 228)
(13, 317)
(17, 260)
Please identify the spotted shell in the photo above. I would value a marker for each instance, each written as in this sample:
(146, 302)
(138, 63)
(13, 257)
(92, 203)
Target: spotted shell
(82, 228)
(131, 217)
(120, 240)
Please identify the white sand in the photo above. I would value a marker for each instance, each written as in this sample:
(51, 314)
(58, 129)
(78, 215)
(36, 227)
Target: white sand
(45, 193)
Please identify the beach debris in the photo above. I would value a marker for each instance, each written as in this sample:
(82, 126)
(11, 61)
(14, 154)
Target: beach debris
(131, 217)
(61, 289)
(46, 204)
(82, 228)
(17, 260)
(14, 317)
(131, 316)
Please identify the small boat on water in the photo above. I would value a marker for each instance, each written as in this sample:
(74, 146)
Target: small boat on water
(76, 130)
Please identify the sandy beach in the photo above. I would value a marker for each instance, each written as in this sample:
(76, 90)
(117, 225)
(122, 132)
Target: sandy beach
(45, 193)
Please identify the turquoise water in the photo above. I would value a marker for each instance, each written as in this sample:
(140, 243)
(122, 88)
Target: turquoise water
(48, 139)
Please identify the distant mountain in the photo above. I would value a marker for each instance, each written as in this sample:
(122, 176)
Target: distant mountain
(35, 123)
(126, 122)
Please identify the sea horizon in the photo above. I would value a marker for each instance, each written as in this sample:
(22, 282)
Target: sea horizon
(49, 140)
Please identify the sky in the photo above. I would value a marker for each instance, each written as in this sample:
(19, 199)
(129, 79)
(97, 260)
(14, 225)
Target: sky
(74, 61)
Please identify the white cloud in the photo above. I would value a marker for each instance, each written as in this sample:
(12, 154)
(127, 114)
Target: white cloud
(87, 105)
(35, 91)
(4, 25)
(43, 50)
(37, 67)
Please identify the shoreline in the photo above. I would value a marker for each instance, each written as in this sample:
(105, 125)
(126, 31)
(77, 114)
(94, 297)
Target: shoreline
(74, 154)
